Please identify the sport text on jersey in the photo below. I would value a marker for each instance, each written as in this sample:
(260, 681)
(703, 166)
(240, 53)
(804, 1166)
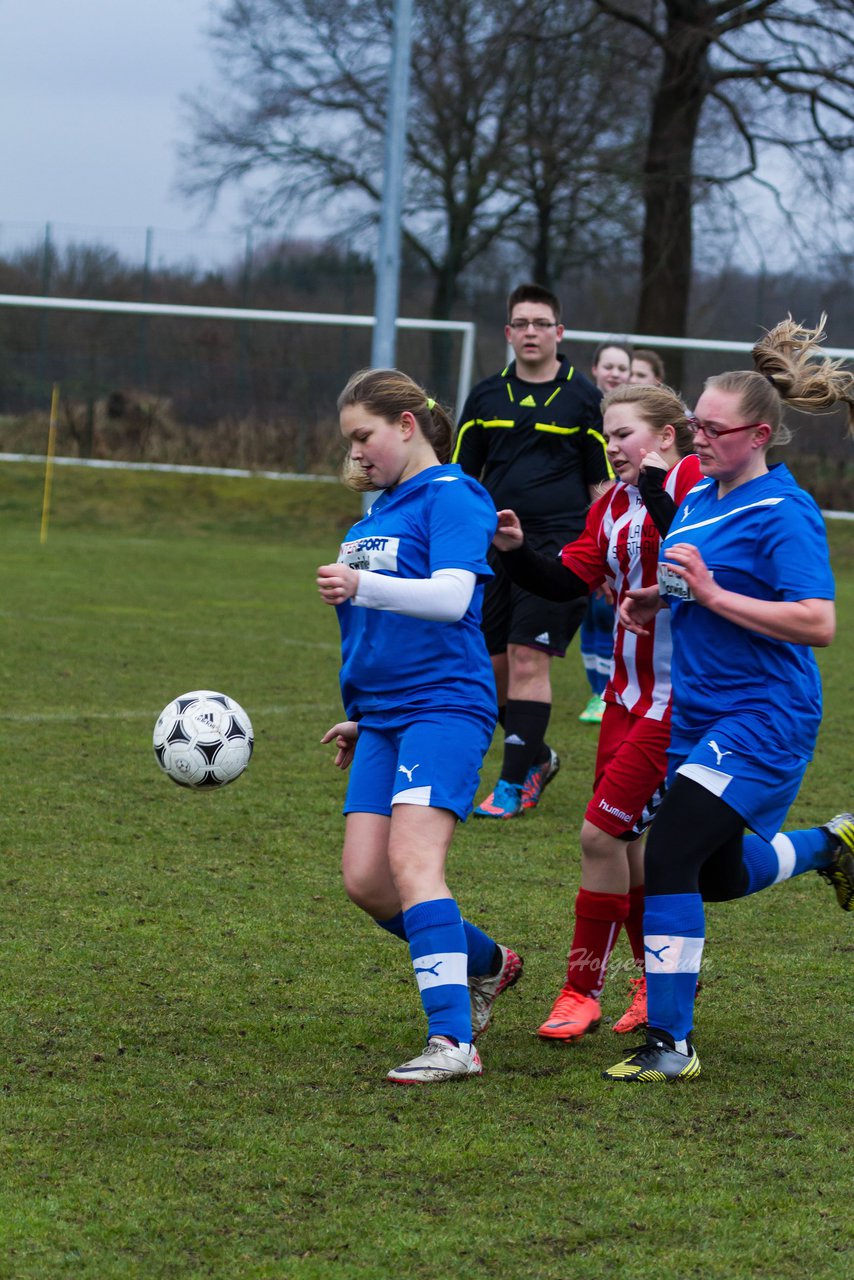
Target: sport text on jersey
(373, 553)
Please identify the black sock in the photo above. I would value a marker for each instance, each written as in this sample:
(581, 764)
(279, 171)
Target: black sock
(525, 725)
(655, 1033)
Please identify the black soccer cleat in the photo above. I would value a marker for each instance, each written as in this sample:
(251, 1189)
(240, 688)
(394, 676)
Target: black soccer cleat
(655, 1062)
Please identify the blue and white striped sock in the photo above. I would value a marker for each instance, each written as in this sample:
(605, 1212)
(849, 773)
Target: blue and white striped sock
(480, 948)
(788, 854)
(437, 944)
(674, 931)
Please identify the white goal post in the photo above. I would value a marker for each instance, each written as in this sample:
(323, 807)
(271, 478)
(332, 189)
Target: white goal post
(681, 344)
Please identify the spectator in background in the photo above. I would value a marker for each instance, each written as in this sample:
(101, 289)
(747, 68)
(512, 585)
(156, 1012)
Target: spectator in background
(647, 368)
(612, 365)
(612, 362)
(533, 435)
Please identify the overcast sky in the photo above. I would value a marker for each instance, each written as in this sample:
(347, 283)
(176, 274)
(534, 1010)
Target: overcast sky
(90, 103)
(91, 108)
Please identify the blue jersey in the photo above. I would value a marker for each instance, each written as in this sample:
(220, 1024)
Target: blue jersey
(395, 667)
(764, 539)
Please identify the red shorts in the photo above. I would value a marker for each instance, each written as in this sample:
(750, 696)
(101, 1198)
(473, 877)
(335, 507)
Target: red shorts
(631, 765)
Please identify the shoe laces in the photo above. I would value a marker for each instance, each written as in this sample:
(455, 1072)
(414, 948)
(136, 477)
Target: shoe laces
(506, 794)
(653, 1047)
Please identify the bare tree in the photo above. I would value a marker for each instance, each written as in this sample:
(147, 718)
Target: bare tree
(761, 74)
(582, 107)
(302, 113)
(515, 136)
(565, 127)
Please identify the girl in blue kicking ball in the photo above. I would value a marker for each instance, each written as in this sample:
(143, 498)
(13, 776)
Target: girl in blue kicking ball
(419, 697)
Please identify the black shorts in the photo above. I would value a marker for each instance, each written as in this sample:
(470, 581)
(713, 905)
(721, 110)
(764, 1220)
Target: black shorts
(512, 615)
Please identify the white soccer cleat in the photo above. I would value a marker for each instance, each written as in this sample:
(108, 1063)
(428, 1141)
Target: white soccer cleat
(442, 1060)
(484, 989)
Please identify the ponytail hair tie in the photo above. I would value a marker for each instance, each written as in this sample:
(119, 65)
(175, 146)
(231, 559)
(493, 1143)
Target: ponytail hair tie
(431, 404)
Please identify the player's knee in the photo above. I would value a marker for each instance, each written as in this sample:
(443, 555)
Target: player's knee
(364, 892)
(418, 880)
(600, 845)
(522, 659)
(359, 894)
(529, 674)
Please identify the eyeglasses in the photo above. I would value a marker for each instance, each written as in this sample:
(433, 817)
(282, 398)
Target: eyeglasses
(711, 432)
(519, 326)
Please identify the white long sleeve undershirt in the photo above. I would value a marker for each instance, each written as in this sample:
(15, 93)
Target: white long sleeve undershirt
(443, 597)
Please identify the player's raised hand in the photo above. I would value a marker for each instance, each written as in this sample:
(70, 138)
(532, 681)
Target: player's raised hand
(344, 735)
(337, 582)
(509, 535)
(652, 459)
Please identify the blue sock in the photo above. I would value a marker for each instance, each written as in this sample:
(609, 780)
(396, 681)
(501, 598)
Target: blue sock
(437, 944)
(789, 854)
(674, 931)
(479, 946)
(394, 925)
(596, 642)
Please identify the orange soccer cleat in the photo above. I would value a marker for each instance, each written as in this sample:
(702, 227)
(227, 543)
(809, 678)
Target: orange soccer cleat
(635, 1015)
(573, 1016)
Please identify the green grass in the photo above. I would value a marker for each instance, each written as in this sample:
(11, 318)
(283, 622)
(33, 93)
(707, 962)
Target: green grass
(195, 1023)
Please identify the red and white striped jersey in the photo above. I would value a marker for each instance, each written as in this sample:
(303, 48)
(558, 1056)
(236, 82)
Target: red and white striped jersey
(620, 546)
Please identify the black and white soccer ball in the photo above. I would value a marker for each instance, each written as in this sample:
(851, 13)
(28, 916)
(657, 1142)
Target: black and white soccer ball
(203, 739)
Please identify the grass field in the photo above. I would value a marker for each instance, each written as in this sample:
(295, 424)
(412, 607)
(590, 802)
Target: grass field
(196, 1024)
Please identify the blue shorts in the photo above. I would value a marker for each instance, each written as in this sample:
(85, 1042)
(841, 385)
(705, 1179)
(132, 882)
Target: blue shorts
(434, 761)
(762, 790)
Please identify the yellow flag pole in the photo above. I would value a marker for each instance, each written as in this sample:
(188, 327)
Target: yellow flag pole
(48, 471)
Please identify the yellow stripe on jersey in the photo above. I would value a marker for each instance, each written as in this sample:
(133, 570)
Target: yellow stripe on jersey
(478, 422)
(597, 435)
(463, 429)
(555, 430)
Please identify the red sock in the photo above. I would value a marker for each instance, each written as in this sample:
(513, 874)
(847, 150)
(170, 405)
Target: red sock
(598, 920)
(634, 925)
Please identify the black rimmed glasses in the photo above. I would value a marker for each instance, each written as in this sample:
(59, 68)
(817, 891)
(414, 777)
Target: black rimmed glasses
(519, 326)
(711, 432)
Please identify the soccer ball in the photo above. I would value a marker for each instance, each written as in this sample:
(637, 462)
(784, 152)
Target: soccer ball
(203, 739)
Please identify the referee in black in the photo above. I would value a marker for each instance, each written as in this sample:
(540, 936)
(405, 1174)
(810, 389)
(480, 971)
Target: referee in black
(532, 435)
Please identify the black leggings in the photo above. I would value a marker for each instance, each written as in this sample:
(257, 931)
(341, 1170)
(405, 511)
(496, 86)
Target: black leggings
(695, 845)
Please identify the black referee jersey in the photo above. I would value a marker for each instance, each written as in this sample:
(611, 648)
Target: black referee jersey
(536, 446)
